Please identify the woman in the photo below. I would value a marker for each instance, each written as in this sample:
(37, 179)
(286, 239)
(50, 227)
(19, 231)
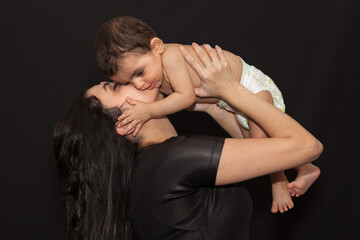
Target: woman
(174, 187)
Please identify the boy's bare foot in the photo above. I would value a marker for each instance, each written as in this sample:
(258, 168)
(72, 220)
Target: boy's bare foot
(281, 198)
(307, 174)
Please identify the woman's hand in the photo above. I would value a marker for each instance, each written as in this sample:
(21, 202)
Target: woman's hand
(217, 78)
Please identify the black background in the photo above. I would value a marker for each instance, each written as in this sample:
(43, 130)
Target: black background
(309, 48)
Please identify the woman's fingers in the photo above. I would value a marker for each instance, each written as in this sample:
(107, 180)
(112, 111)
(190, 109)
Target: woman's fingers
(191, 61)
(221, 55)
(204, 57)
(215, 74)
(214, 57)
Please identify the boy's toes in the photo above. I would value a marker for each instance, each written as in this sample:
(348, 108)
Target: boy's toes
(292, 192)
(285, 207)
(281, 209)
(274, 208)
(296, 192)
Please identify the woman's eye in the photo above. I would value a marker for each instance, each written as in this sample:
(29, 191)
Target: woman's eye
(115, 85)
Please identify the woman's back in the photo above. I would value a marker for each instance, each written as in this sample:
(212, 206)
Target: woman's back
(174, 194)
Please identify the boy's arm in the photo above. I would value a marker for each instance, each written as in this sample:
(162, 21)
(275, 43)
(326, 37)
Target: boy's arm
(181, 83)
(183, 96)
(224, 118)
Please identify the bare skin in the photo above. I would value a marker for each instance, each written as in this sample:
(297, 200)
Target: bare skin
(282, 190)
(289, 144)
(281, 198)
(306, 176)
(282, 201)
(184, 81)
(284, 133)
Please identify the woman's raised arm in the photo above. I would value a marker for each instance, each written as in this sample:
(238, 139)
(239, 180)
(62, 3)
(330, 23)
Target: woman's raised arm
(289, 145)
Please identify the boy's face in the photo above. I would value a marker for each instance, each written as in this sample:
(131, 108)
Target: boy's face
(144, 71)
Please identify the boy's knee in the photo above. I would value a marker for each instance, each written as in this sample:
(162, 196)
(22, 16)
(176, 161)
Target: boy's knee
(257, 134)
(265, 95)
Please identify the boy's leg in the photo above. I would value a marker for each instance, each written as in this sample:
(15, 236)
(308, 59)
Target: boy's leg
(281, 197)
(306, 174)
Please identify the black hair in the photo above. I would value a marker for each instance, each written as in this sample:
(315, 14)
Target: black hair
(96, 167)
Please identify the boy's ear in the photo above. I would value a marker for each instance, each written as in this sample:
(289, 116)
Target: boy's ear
(157, 45)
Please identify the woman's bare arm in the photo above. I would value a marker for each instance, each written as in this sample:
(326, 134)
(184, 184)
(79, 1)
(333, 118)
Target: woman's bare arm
(289, 145)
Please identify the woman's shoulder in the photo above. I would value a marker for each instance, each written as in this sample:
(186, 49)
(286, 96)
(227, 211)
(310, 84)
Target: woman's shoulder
(182, 151)
(189, 141)
(189, 158)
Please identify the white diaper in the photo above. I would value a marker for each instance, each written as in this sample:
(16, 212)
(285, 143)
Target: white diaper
(255, 81)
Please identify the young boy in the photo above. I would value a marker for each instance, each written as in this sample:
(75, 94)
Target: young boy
(129, 52)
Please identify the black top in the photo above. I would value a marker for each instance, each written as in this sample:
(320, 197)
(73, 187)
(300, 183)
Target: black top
(174, 194)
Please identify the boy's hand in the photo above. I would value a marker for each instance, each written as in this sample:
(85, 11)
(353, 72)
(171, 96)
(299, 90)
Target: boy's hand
(135, 115)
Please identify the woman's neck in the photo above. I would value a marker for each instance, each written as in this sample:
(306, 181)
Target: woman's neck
(156, 131)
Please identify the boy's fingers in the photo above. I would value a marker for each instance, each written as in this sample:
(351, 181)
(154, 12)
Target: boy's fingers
(125, 105)
(126, 121)
(137, 129)
(118, 124)
(131, 101)
(130, 131)
(122, 130)
(130, 127)
(124, 115)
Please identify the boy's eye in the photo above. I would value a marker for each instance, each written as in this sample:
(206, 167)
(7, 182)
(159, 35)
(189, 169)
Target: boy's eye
(140, 73)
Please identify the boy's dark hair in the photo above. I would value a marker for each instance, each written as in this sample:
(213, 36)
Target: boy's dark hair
(118, 36)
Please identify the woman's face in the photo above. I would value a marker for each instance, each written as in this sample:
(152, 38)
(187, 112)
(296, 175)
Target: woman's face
(114, 95)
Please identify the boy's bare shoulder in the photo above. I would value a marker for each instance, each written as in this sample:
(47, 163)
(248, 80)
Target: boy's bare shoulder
(171, 56)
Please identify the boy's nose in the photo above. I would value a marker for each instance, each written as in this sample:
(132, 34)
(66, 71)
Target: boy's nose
(138, 84)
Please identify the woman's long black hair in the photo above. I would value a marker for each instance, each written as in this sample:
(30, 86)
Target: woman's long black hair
(96, 167)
